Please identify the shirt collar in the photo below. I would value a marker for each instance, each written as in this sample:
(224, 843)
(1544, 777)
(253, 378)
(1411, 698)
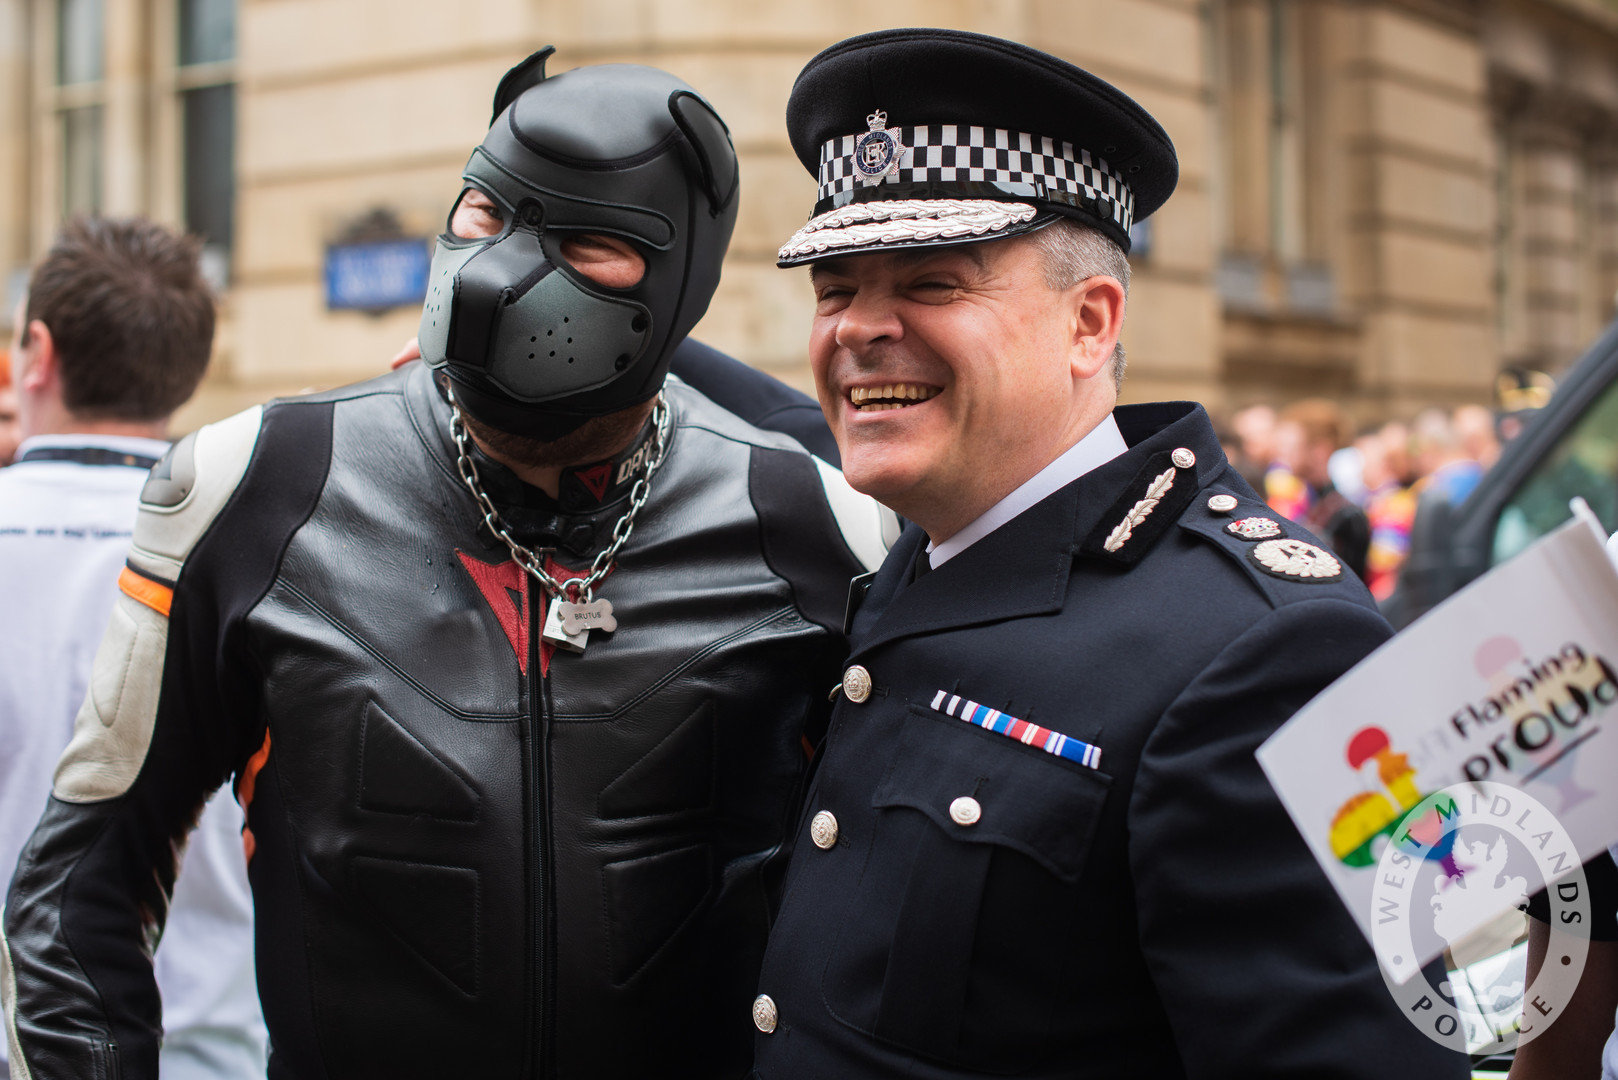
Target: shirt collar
(123, 444)
(1103, 443)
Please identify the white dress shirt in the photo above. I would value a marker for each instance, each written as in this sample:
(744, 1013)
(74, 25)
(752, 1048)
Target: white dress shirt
(65, 528)
(1101, 445)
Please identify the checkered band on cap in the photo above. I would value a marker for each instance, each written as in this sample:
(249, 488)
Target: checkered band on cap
(946, 153)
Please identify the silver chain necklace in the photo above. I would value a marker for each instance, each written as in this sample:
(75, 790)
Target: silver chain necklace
(576, 612)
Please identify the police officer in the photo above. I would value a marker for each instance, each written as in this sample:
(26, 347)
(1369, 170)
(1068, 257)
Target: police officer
(1038, 841)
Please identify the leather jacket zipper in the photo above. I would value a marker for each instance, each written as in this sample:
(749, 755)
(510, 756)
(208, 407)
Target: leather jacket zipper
(104, 1058)
(536, 772)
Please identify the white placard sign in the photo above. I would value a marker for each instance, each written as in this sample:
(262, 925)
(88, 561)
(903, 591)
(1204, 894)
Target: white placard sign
(1512, 681)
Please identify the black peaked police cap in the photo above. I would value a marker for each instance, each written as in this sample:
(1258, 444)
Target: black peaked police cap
(923, 137)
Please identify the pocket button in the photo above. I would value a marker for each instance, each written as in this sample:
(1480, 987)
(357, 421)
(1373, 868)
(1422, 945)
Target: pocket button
(965, 810)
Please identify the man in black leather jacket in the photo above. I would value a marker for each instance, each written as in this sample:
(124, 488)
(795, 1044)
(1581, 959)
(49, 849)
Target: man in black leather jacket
(512, 658)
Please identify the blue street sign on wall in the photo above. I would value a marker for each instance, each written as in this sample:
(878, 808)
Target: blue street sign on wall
(377, 275)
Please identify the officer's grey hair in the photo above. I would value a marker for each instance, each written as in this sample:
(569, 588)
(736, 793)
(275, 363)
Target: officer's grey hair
(1073, 252)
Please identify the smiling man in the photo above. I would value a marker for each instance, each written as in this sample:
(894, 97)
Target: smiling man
(1038, 841)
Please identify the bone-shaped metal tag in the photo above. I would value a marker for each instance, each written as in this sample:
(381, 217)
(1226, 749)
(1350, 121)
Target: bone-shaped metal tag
(582, 618)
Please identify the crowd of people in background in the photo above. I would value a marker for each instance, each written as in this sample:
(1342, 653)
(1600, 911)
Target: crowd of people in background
(1358, 491)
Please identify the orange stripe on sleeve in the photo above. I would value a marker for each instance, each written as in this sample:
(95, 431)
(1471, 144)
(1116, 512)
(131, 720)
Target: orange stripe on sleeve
(247, 786)
(249, 780)
(146, 591)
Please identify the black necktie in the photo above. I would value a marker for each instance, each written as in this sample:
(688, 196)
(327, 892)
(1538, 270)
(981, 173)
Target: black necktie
(921, 565)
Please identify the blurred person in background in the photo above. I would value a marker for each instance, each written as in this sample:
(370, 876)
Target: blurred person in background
(1475, 434)
(1519, 393)
(1260, 465)
(1446, 470)
(113, 336)
(1394, 438)
(1390, 504)
(1308, 434)
(1253, 429)
(10, 431)
(1347, 470)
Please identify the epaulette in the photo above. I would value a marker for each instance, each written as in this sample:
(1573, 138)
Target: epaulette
(1275, 552)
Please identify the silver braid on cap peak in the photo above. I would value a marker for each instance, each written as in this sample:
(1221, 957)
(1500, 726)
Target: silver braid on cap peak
(893, 221)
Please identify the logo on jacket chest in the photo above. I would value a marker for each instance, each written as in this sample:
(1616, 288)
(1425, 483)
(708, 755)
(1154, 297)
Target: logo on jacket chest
(504, 587)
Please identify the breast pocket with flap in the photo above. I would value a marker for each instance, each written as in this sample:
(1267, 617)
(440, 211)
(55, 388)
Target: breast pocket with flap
(975, 833)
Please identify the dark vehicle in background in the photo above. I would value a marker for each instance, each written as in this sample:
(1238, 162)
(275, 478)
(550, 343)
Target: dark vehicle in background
(1568, 448)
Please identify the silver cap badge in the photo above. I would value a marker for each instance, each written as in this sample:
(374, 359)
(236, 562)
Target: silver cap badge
(877, 152)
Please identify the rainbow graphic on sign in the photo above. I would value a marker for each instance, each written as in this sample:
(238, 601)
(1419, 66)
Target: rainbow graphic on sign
(1365, 822)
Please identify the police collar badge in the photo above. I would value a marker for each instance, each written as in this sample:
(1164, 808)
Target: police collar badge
(1254, 528)
(1147, 508)
(1297, 560)
(878, 151)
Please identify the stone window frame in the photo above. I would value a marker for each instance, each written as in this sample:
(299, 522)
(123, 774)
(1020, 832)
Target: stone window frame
(141, 97)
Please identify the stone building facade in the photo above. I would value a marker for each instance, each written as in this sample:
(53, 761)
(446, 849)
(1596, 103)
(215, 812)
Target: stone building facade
(1380, 200)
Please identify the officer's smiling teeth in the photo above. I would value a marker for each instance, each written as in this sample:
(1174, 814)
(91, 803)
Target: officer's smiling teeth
(891, 396)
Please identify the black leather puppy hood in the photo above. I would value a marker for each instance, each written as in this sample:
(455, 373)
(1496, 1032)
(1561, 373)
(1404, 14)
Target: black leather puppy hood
(532, 345)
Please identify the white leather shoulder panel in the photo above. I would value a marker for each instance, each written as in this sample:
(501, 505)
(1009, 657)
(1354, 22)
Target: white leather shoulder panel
(868, 527)
(165, 535)
(113, 729)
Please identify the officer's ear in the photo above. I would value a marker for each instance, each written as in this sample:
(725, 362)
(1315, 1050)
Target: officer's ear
(1097, 318)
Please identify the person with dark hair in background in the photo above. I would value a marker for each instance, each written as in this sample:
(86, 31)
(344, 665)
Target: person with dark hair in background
(113, 336)
(513, 655)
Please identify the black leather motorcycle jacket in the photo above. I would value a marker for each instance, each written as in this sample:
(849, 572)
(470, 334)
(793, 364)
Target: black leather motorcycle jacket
(471, 856)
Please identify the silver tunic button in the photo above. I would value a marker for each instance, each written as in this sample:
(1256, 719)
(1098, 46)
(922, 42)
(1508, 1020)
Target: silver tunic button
(1222, 504)
(823, 830)
(856, 684)
(965, 810)
(1183, 458)
(764, 1015)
